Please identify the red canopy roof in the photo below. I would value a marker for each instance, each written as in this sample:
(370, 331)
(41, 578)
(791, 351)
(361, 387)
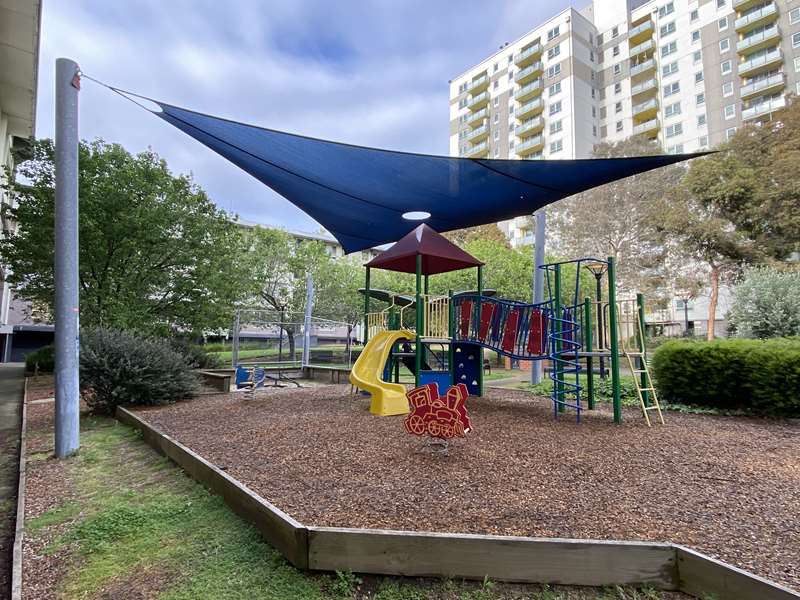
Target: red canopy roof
(439, 255)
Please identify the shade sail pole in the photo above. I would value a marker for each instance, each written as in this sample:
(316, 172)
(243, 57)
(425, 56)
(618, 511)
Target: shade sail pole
(67, 417)
(538, 279)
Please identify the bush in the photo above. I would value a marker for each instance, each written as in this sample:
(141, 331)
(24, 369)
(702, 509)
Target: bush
(196, 356)
(121, 368)
(766, 304)
(757, 376)
(43, 359)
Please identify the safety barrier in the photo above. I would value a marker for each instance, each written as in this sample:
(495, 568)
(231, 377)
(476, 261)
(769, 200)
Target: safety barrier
(436, 311)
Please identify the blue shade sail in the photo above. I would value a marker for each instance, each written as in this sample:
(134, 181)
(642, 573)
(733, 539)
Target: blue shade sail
(360, 194)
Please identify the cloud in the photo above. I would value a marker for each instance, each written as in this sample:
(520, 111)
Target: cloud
(372, 73)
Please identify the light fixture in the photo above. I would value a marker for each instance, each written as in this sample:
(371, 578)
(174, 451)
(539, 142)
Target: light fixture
(416, 215)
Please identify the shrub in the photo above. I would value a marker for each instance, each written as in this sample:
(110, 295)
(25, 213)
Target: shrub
(43, 359)
(196, 356)
(766, 304)
(121, 368)
(758, 376)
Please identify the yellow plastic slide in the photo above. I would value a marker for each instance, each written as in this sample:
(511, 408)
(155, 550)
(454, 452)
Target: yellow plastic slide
(367, 374)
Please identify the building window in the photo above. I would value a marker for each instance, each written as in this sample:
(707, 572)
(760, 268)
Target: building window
(594, 130)
(797, 64)
(556, 146)
(555, 89)
(723, 23)
(617, 69)
(698, 77)
(700, 99)
(619, 126)
(554, 51)
(600, 56)
(555, 127)
(614, 32)
(665, 10)
(496, 118)
(603, 112)
(618, 107)
(668, 29)
(673, 130)
(720, 3)
(669, 69)
(599, 39)
(724, 45)
(496, 66)
(794, 16)
(618, 88)
(510, 127)
(510, 75)
(703, 141)
(696, 36)
(496, 135)
(697, 56)
(672, 88)
(496, 102)
(510, 58)
(594, 112)
(496, 84)
(694, 15)
(677, 149)
(701, 120)
(670, 48)
(553, 33)
(555, 107)
(511, 144)
(554, 70)
(591, 56)
(729, 133)
(462, 103)
(727, 89)
(796, 40)
(615, 51)
(593, 93)
(730, 111)
(726, 67)
(672, 110)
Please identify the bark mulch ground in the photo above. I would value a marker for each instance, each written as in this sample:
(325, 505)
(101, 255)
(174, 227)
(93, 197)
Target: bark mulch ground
(727, 486)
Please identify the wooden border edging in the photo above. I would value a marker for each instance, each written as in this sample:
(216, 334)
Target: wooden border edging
(702, 575)
(506, 558)
(19, 531)
(278, 528)
(469, 556)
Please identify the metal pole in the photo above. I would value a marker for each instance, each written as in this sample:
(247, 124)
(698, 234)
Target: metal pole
(600, 334)
(558, 367)
(366, 309)
(235, 340)
(420, 323)
(537, 367)
(613, 333)
(587, 338)
(307, 320)
(685, 316)
(67, 340)
(480, 348)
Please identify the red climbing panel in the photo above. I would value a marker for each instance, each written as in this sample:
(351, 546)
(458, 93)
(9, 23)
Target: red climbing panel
(537, 334)
(487, 312)
(510, 333)
(466, 315)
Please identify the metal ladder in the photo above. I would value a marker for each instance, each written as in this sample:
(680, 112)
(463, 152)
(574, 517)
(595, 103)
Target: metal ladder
(648, 388)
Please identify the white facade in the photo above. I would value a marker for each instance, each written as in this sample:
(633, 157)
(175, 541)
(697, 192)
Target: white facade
(685, 73)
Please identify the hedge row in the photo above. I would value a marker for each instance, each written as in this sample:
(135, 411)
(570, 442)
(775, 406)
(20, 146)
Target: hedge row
(759, 376)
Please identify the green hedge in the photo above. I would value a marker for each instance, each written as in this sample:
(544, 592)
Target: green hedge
(758, 376)
(43, 359)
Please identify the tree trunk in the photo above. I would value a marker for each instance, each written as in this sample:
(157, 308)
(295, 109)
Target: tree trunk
(712, 302)
(290, 337)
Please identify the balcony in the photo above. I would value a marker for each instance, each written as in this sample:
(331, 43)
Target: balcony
(649, 85)
(478, 134)
(529, 109)
(479, 101)
(743, 5)
(527, 55)
(761, 63)
(640, 33)
(478, 84)
(760, 40)
(643, 48)
(530, 146)
(763, 109)
(478, 151)
(762, 16)
(648, 129)
(529, 91)
(645, 110)
(476, 118)
(643, 67)
(768, 85)
(529, 127)
(528, 74)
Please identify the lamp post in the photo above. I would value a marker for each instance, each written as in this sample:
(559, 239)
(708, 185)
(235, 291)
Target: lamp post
(685, 295)
(598, 269)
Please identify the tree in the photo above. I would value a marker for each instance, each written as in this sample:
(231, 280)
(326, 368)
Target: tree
(766, 303)
(156, 255)
(489, 231)
(615, 219)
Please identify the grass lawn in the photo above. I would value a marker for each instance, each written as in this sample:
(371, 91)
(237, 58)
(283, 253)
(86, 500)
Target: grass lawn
(121, 518)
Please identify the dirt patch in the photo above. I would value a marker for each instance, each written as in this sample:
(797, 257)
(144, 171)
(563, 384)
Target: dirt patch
(729, 487)
(145, 585)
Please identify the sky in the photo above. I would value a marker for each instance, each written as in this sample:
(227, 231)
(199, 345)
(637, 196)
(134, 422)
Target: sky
(370, 72)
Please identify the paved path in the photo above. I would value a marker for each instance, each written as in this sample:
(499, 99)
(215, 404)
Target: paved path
(12, 382)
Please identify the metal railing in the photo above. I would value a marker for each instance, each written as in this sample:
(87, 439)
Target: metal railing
(436, 315)
(751, 40)
(754, 63)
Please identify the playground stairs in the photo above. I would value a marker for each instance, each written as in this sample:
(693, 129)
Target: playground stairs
(563, 341)
(645, 390)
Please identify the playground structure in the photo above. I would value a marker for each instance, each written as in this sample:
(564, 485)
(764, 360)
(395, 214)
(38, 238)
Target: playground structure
(441, 339)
